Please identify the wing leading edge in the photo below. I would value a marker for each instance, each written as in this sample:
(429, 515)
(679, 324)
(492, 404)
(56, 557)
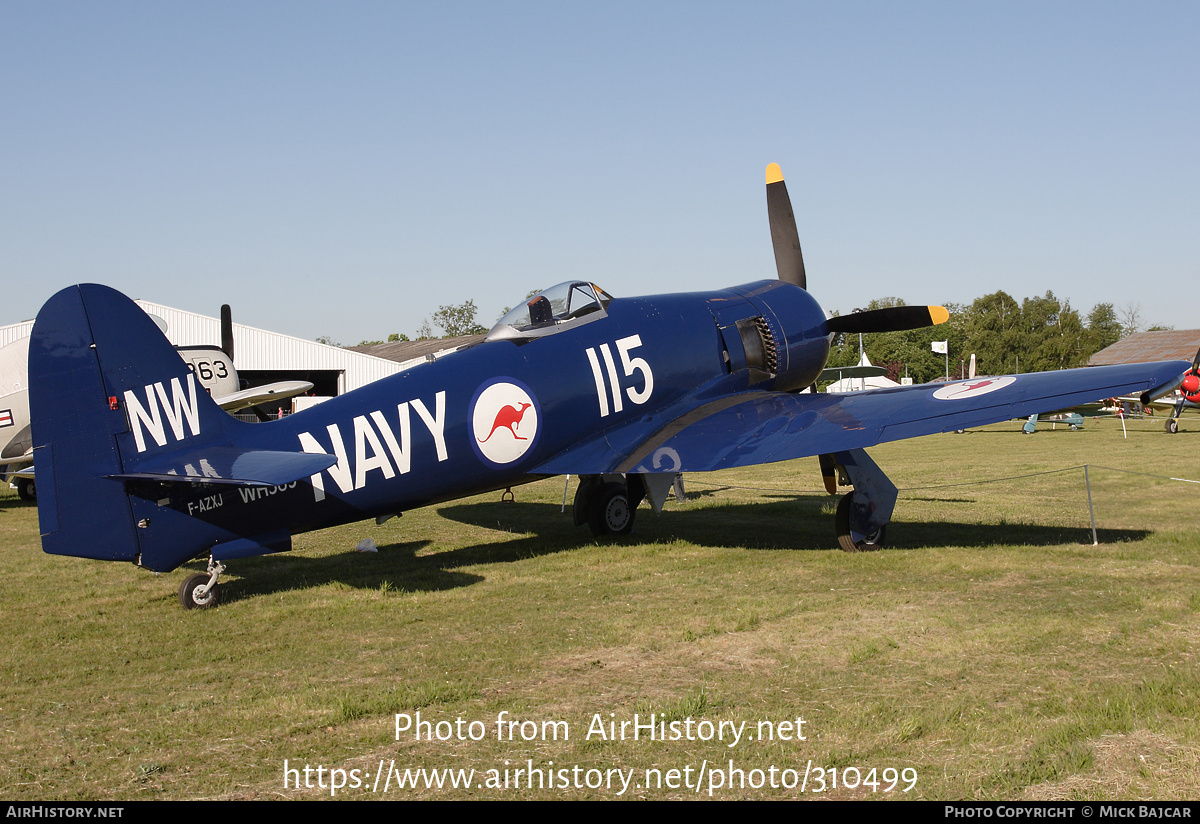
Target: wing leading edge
(764, 427)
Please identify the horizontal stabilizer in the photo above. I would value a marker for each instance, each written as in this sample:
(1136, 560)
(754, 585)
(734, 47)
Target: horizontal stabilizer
(230, 465)
(281, 390)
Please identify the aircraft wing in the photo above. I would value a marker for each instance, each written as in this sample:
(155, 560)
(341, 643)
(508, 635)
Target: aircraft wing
(763, 427)
(261, 394)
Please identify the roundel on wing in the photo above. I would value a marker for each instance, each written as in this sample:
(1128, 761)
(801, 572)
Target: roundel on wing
(504, 421)
(972, 388)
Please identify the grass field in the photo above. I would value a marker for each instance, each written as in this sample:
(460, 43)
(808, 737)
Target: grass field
(990, 652)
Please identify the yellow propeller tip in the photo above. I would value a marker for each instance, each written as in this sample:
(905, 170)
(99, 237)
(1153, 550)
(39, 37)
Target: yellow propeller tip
(938, 314)
(774, 173)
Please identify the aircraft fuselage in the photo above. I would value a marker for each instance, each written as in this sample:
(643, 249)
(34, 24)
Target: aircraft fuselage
(485, 417)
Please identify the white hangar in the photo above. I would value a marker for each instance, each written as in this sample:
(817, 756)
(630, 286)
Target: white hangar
(260, 356)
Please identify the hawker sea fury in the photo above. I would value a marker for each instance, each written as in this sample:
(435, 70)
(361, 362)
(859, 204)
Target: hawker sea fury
(134, 464)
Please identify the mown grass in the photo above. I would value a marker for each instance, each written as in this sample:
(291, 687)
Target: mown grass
(991, 647)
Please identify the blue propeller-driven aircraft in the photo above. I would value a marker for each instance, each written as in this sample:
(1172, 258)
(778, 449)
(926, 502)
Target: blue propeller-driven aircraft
(135, 462)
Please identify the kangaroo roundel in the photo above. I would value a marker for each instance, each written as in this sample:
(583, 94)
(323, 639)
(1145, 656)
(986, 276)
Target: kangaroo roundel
(504, 421)
(962, 390)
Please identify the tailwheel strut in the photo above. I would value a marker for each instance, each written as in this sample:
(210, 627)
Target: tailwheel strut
(200, 591)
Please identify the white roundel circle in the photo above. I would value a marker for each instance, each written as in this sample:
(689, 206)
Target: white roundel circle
(972, 388)
(504, 422)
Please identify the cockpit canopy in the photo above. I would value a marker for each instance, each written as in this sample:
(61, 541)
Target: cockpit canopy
(554, 310)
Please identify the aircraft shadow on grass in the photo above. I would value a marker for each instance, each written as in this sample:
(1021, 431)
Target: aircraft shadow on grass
(782, 523)
(13, 503)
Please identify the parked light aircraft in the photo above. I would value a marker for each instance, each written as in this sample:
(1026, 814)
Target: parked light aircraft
(136, 463)
(1187, 396)
(16, 443)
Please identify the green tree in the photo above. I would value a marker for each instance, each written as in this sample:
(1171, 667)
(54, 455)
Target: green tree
(1103, 327)
(993, 331)
(1064, 343)
(458, 320)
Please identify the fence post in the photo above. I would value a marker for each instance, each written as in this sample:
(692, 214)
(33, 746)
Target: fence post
(1091, 510)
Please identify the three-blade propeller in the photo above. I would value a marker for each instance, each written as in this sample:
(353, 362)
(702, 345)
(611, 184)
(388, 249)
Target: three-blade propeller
(790, 264)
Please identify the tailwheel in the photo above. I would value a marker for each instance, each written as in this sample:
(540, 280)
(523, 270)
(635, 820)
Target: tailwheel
(26, 490)
(199, 591)
(195, 593)
(611, 511)
(841, 519)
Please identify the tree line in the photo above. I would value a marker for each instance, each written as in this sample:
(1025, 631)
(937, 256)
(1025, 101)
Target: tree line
(1006, 336)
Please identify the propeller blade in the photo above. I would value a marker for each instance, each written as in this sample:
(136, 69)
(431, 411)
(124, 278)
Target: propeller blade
(227, 330)
(890, 319)
(788, 260)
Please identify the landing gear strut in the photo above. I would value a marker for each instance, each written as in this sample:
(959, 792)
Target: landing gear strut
(862, 515)
(200, 591)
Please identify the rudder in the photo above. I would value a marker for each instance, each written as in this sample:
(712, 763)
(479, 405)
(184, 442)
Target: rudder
(107, 391)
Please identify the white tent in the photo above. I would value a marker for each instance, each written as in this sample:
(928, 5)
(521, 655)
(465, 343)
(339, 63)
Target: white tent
(855, 384)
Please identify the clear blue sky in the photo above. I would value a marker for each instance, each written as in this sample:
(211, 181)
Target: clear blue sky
(344, 169)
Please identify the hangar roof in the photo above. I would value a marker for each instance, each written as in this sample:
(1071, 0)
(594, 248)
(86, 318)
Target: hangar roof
(410, 352)
(255, 349)
(1145, 347)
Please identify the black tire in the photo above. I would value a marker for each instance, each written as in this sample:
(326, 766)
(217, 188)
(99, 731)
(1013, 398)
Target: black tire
(27, 489)
(187, 592)
(841, 523)
(611, 513)
(585, 496)
(1172, 426)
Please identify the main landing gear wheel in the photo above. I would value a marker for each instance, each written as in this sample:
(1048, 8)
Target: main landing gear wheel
(190, 596)
(610, 512)
(1172, 426)
(841, 522)
(26, 490)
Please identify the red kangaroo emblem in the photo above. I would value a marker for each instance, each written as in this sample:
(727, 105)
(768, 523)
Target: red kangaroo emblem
(510, 418)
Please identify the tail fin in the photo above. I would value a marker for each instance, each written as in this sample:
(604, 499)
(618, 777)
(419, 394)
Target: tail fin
(108, 394)
(130, 452)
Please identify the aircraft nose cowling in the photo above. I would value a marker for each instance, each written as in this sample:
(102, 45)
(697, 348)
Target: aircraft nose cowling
(794, 326)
